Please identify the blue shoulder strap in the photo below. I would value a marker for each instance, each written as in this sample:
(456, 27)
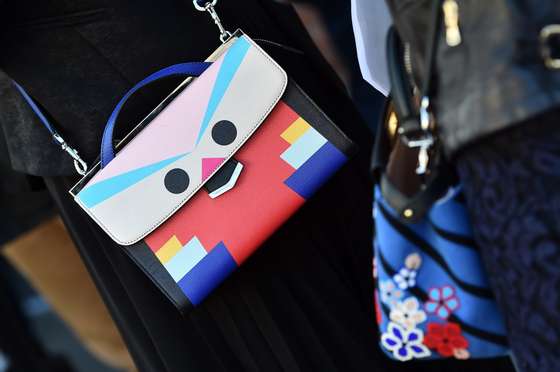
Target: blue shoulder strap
(79, 164)
(107, 151)
(35, 109)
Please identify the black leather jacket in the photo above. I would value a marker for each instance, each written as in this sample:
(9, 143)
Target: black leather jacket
(497, 76)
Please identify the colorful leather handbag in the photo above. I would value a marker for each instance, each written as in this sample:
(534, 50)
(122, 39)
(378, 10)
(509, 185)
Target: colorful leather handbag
(432, 296)
(213, 171)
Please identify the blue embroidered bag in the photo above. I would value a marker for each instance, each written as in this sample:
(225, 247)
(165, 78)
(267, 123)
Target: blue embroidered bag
(432, 295)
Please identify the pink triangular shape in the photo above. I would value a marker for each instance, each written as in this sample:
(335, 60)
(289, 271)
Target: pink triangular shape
(209, 165)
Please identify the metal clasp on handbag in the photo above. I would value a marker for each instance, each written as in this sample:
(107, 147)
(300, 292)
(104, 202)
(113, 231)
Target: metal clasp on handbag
(546, 35)
(421, 138)
(79, 164)
(209, 7)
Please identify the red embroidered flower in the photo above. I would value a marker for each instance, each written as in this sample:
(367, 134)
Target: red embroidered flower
(377, 309)
(445, 338)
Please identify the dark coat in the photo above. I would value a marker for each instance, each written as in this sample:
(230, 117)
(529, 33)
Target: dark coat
(496, 77)
(77, 58)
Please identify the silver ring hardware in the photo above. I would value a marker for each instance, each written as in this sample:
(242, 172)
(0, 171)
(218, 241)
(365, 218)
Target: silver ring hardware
(209, 7)
(200, 8)
(547, 33)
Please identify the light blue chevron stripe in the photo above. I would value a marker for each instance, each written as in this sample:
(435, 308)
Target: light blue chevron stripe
(105, 189)
(230, 65)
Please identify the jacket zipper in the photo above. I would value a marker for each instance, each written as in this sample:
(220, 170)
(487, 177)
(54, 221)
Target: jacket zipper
(451, 20)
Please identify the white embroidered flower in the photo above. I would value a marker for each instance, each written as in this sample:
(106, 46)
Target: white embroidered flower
(408, 313)
(390, 294)
(404, 344)
(405, 278)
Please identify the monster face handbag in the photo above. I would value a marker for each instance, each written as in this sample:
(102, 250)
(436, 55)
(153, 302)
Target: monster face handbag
(432, 295)
(213, 171)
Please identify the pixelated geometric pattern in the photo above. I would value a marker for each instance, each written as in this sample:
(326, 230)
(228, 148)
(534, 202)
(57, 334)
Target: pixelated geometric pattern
(311, 155)
(285, 161)
(207, 274)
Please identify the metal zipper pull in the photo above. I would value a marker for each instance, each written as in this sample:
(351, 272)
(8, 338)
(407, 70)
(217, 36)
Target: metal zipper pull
(451, 19)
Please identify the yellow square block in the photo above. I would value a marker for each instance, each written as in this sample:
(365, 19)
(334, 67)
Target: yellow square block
(294, 131)
(169, 250)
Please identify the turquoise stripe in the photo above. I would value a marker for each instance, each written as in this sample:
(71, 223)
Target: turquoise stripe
(105, 189)
(230, 65)
(187, 258)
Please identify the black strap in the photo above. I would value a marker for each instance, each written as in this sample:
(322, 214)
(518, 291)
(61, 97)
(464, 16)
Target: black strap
(431, 48)
(411, 209)
(401, 89)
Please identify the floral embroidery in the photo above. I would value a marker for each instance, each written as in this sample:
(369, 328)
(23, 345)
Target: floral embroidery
(408, 313)
(413, 261)
(390, 294)
(405, 278)
(404, 344)
(447, 339)
(442, 301)
(461, 354)
(374, 267)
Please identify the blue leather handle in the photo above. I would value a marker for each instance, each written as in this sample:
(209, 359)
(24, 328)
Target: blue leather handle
(190, 68)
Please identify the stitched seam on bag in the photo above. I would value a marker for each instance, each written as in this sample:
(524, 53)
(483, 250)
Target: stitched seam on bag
(201, 184)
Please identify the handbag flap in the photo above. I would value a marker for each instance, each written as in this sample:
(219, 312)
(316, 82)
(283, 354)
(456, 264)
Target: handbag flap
(170, 159)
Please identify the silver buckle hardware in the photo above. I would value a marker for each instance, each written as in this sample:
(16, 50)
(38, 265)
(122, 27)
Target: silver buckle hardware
(425, 115)
(209, 7)
(421, 139)
(424, 143)
(79, 164)
(547, 33)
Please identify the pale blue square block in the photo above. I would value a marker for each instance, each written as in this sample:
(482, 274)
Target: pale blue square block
(304, 148)
(185, 259)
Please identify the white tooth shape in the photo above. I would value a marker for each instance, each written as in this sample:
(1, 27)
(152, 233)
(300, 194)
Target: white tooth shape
(230, 184)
